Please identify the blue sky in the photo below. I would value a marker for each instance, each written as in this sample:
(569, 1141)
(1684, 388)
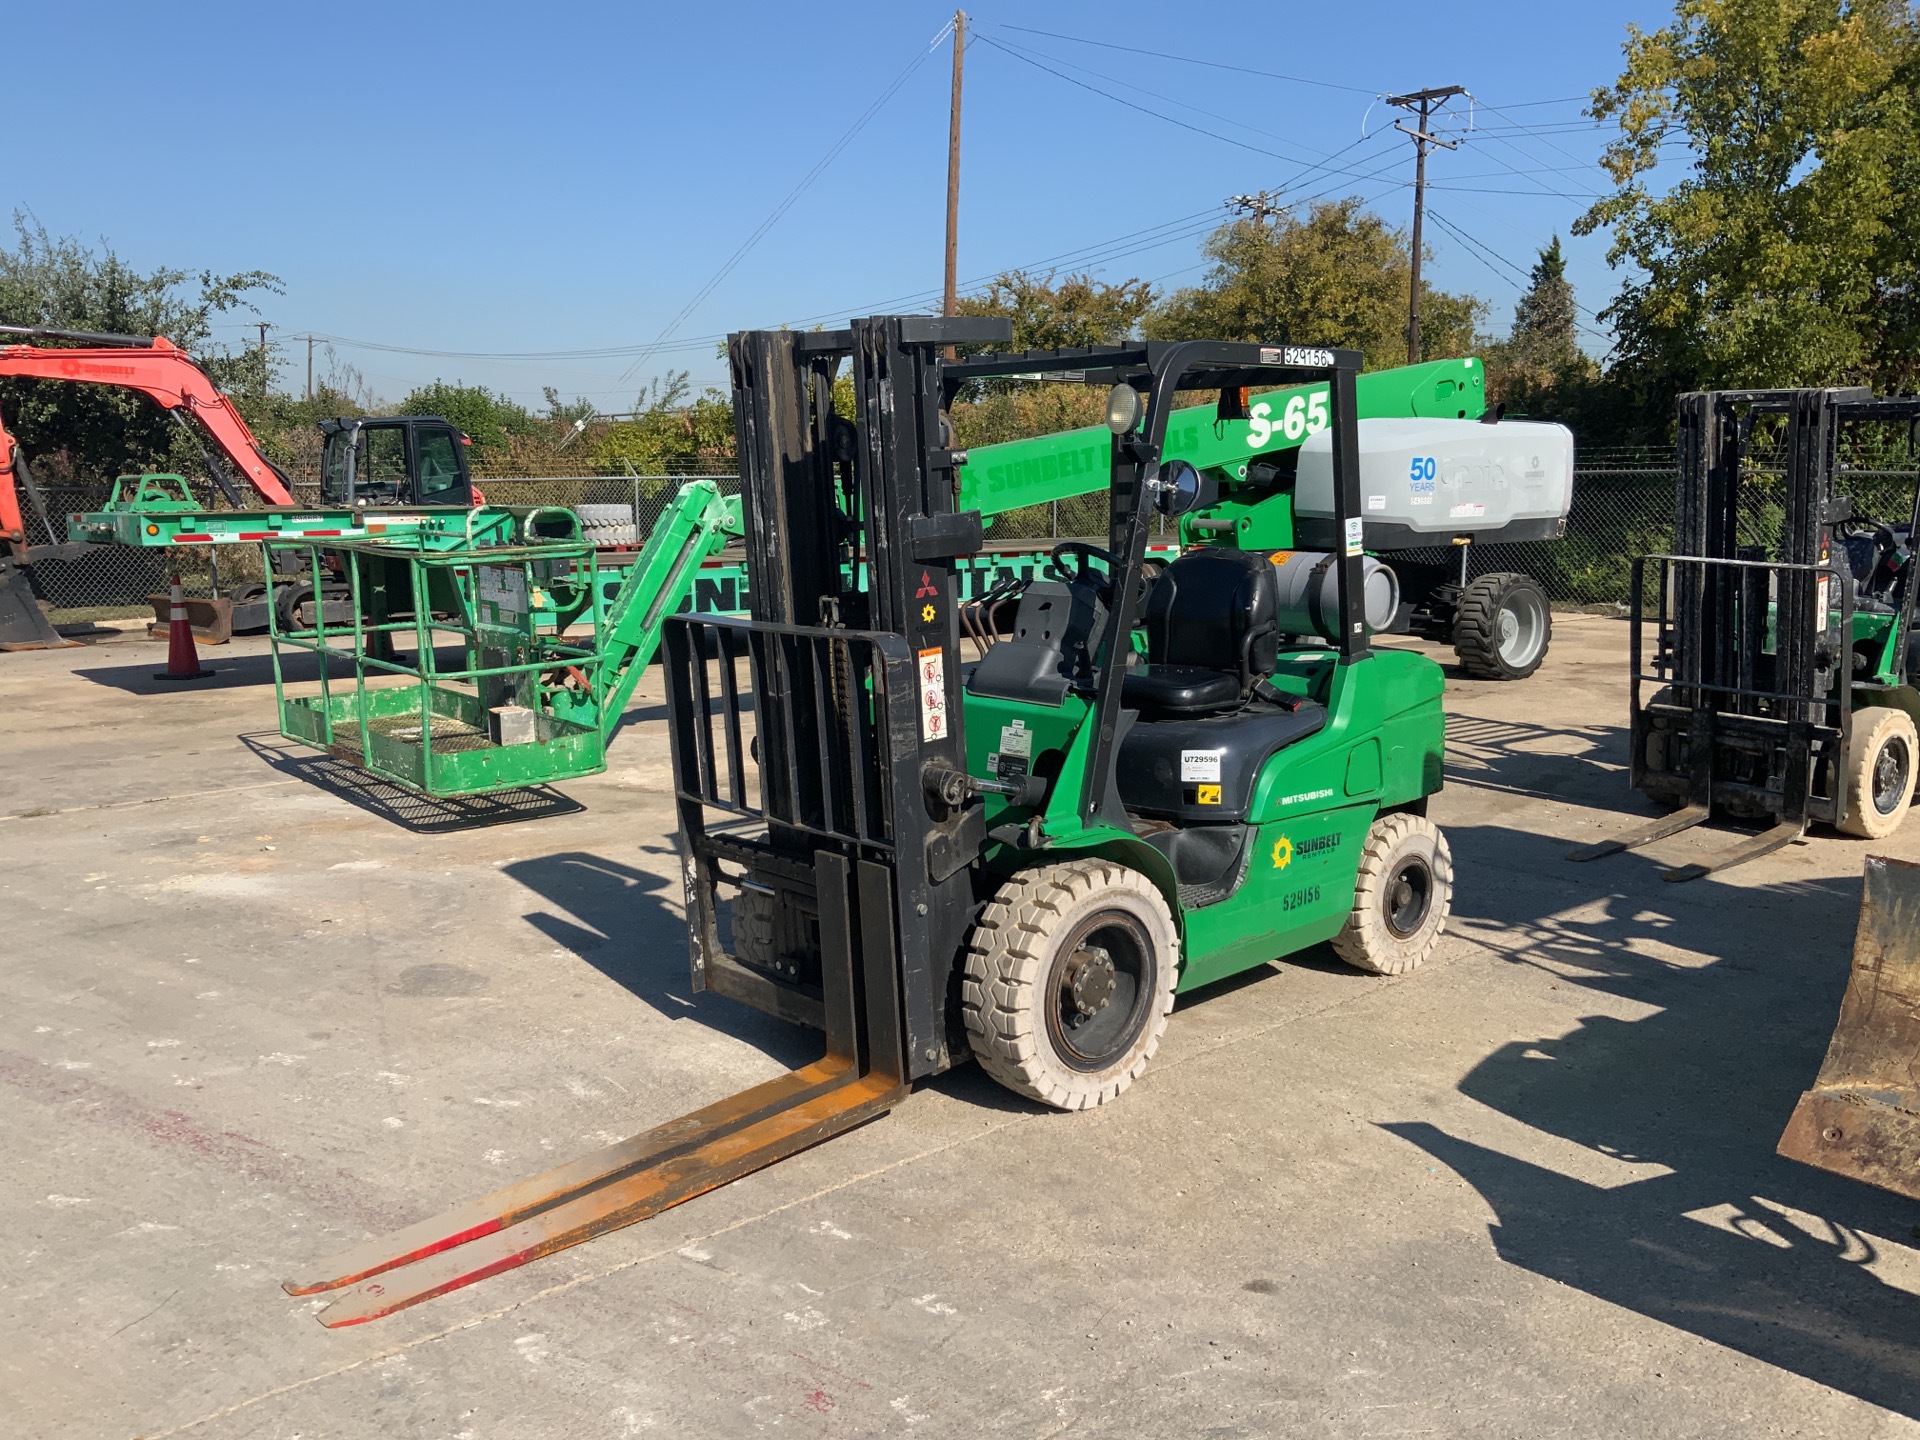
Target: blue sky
(492, 180)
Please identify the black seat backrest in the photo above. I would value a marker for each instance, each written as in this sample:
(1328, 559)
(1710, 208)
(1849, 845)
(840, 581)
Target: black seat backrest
(1050, 649)
(1215, 609)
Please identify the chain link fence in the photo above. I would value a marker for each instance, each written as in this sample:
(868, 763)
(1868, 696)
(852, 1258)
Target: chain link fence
(1623, 506)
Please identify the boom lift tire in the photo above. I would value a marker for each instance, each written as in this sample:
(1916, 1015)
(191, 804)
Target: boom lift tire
(1880, 771)
(1069, 981)
(1503, 626)
(1402, 896)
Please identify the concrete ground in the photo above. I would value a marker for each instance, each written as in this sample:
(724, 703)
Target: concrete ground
(251, 1012)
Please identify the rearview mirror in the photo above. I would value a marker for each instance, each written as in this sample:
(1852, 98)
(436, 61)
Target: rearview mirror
(1180, 488)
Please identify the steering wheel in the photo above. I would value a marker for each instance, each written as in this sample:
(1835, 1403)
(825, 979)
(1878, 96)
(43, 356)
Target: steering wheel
(1084, 553)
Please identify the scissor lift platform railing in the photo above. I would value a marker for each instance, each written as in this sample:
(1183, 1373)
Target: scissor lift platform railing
(406, 715)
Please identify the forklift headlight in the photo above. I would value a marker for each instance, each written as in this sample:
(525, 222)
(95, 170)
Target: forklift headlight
(1123, 409)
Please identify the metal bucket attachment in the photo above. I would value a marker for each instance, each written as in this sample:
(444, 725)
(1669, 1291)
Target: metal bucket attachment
(1862, 1116)
(23, 625)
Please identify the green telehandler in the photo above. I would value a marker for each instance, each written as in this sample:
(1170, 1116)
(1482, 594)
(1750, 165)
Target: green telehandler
(1144, 785)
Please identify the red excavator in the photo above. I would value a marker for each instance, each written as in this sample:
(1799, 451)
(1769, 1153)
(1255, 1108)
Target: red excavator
(391, 464)
(157, 368)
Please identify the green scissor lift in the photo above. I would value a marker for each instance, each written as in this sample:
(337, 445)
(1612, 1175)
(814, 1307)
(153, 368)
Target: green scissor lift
(548, 657)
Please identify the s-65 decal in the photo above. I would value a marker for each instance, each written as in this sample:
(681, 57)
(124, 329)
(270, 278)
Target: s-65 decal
(1301, 416)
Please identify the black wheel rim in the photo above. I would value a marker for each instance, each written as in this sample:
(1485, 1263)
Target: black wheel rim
(1890, 769)
(1106, 967)
(1407, 897)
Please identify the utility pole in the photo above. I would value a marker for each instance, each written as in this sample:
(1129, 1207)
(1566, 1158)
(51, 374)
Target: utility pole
(1425, 101)
(309, 367)
(1262, 205)
(263, 356)
(953, 170)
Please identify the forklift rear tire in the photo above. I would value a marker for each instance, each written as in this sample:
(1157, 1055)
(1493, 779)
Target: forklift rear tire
(1502, 627)
(1069, 981)
(1880, 771)
(1401, 898)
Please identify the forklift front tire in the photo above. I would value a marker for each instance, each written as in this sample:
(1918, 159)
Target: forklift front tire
(1880, 771)
(1069, 981)
(1400, 898)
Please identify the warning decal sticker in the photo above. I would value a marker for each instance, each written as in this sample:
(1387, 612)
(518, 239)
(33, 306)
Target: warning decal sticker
(933, 694)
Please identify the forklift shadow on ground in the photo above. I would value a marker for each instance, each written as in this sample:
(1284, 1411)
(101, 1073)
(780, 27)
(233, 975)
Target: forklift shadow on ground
(619, 920)
(1578, 764)
(1780, 1262)
(421, 814)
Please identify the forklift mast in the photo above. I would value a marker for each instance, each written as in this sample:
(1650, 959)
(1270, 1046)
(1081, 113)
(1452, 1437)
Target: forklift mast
(819, 496)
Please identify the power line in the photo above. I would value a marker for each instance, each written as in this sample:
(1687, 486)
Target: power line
(1148, 110)
(787, 204)
(1190, 60)
(1028, 53)
(1487, 256)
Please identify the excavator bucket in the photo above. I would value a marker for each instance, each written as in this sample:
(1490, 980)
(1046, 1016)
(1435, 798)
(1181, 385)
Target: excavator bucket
(23, 624)
(1862, 1116)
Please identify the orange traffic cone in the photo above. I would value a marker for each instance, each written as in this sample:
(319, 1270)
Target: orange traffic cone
(183, 657)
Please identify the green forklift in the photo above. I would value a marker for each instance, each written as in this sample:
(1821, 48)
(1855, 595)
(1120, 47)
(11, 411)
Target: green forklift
(1146, 784)
(1772, 656)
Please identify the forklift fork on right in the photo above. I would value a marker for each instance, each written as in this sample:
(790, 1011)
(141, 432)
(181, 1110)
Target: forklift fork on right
(1780, 671)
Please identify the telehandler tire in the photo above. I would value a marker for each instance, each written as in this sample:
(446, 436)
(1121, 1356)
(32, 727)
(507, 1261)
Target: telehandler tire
(1401, 898)
(1880, 771)
(1069, 981)
(1503, 627)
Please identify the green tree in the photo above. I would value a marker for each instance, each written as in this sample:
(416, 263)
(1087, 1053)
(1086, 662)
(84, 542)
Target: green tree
(1784, 255)
(1339, 276)
(1545, 321)
(1047, 314)
(672, 430)
(1056, 315)
(488, 419)
(1539, 369)
(95, 431)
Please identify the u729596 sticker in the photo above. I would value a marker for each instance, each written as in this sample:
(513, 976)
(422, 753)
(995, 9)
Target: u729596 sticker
(1199, 765)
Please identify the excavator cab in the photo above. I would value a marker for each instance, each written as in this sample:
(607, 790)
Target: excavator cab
(408, 460)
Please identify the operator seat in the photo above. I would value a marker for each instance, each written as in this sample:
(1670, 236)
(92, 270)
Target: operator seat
(1203, 734)
(1211, 633)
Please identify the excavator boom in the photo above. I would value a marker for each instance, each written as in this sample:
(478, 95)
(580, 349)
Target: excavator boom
(158, 369)
(155, 367)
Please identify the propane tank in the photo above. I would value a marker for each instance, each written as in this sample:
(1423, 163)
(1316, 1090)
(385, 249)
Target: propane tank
(1308, 582)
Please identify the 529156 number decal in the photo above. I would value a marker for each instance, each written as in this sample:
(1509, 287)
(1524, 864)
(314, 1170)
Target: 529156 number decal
(1309, 895)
